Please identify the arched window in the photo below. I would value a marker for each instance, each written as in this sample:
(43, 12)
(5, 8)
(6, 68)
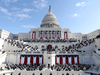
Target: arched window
(56, 46)
(40, 73)
(11, 73)
(33, 74)
(67, 74)
(36, 47)
(42, 46)
(50, 73)
(95, 45)
(19, 74)
(63, 46)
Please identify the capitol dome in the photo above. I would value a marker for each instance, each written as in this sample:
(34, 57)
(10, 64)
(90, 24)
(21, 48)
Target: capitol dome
(50, 20)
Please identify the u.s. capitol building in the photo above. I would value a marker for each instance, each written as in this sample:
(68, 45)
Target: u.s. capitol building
(49, 50)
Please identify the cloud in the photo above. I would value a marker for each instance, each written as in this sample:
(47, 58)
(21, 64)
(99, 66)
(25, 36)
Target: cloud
(15, 8)
(11, 19)
(25, 4)
(16, 15)
(40, 4)
(81, 4)
(5, 11)
(8, 1)
(22, 16)
(28, 26)
(27, 10)
(75, 15)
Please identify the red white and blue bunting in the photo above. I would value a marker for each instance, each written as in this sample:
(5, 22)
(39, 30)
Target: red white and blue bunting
(49, 34)
(58, 34)
(31, 59)
(65, 35)
(66, 59)
(33, 35)
(53, 34)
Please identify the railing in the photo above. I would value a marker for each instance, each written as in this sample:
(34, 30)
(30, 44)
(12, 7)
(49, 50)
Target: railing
(96, 55)
(3, 54)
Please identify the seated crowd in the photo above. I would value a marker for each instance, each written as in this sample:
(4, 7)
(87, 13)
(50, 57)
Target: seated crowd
(57, 67)
(24, 47)
(71, 48)
(28, 67)
(50, 40)
(69, 67)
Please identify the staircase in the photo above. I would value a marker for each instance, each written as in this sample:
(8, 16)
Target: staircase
(95, 58)
(89, 48)
(3, 58)
(10, 47)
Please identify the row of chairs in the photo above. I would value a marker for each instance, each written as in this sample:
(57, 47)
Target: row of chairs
(69, 67)
(49, 40)
(48, 74)
(57, 67)
(30, 67)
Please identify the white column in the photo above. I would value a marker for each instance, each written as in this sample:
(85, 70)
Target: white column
(33, 35)
(22, 60)
(40, 60)
(64, 60)
(75, 60)
(34, 60)
(58, 60)
(70, 61)
(28, 62)
(53, 60)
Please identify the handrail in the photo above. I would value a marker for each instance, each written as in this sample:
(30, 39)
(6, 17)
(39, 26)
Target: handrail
(96, 55)
(3, 54)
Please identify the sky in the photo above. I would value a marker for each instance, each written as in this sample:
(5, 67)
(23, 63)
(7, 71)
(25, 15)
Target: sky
(78, 15)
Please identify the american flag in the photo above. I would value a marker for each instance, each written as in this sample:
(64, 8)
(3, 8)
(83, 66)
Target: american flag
(41, 34)
(34, 35)
(53, 35)
(66, 36)
(58, 35)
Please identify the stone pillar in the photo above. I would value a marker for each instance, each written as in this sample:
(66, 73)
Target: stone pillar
(49, 59)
